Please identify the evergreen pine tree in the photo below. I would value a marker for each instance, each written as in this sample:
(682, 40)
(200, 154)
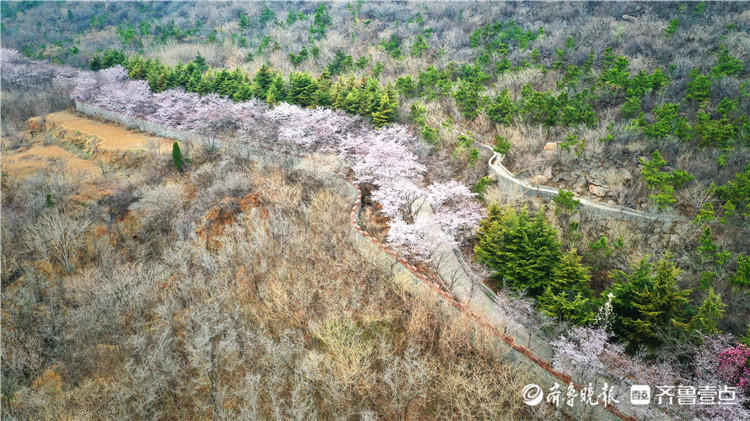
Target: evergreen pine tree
(194, 82)
(324, 98)
(706, 319)
(206, 84)
(573, 306)
(351, 102)
(568, 296)
(381, 117)
(523, 251)
(177, 157)
(501, 111)
(272, 98)
(262, 81)
(392, 95)
(649, 307)
(279, 88)
(302, 89)
(222, 83)
(181, 76)
(337, 98)
(200, 62)
(243, 93)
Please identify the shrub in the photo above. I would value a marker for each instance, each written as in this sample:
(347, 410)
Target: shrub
(672, 27)
(668, 121)
(481, 186)
(433, 83)
(502, 145)
(321, 20)
(406, 86)
(727, 65)
(418, 47)
(565, 201)
(741, 277)
(575, 142)
(417, 112)
(393, 46)
(430, 135)
(735, 195)
(698, 89)
(615, 72)
(502, 110)
(662, 183)
(713, 132)
(341, 63)
(468, 99)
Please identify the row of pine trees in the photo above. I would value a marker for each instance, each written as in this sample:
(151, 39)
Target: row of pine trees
(362, 96)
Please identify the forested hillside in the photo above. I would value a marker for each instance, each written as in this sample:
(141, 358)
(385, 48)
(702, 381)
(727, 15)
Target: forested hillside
(644, 106)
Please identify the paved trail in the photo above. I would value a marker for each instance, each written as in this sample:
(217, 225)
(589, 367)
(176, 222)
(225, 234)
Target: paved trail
(508, 182)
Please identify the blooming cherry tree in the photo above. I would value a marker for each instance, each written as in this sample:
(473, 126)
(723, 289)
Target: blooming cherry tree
(456, 209)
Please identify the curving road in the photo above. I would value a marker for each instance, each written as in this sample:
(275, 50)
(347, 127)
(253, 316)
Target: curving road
(507, 181)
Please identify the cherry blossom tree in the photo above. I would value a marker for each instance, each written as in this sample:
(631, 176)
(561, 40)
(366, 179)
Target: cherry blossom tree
(113, 74)
(174, 107)
(312, 129)
(85, 88)
(456, 209)
(422, 239)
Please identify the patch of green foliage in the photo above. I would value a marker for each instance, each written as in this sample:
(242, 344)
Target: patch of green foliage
(340, 63)
(419, 46)
(727, 65)
(468, 99)
(562, 110)
(481, 186)
(430, 135)
(393, 46)
(662, 183)
(320, 23)
(649, 305)
(566, 201)
(667, 121)
(177, 157)
(672, 27)
(526, 255)
(735, 195)
(493, 37)
(502, 145)
(502, 110)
